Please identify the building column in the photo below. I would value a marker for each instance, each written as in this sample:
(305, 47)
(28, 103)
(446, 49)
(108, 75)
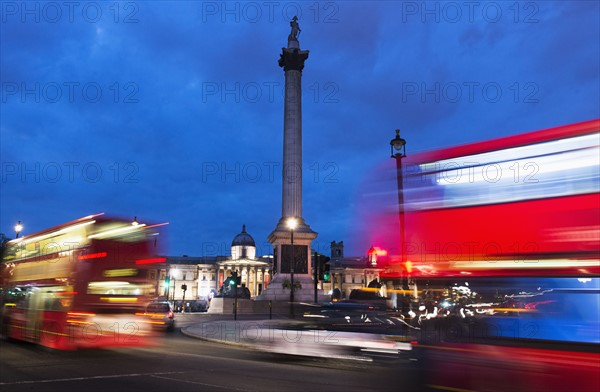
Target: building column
(262, 277)
(255, 269)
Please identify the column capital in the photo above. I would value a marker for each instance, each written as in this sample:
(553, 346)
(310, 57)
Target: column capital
(292, 59)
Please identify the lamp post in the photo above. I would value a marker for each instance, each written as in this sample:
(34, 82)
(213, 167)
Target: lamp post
(291, 224)
(18, 228)
(316, 268)
(398, 151)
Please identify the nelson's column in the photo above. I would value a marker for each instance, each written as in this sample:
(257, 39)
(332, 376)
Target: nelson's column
(292, 262)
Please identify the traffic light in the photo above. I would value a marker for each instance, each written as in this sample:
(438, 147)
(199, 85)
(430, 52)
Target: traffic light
(325, 268)
(167, 282)
(235, 280)
(322, 266)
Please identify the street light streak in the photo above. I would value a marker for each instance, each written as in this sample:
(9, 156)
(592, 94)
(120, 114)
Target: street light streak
(29, 239)
(202, 383)
(87, 378)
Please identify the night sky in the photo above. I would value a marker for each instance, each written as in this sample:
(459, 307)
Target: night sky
(173, 111)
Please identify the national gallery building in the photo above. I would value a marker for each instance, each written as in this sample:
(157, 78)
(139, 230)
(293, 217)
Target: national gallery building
(203, 276)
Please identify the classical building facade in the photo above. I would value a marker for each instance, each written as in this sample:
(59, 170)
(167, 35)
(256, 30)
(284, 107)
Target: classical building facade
(350, 273)
(202, 277)
(255, 272)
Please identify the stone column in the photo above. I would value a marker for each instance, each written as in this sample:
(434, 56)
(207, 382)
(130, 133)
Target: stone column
(292, 60)
(255, 270)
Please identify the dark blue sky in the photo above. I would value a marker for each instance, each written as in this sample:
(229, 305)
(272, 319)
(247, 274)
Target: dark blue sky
(173, 111)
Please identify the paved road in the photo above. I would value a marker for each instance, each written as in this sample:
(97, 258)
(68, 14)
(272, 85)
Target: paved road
(181, 363)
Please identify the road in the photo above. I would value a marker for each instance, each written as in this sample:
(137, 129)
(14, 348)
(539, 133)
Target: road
(180, 363)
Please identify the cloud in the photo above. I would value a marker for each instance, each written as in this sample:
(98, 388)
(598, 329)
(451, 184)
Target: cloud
(192, 104)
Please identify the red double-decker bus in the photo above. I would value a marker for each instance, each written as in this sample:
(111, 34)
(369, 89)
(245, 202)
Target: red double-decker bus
(502, 261)
(84, 283)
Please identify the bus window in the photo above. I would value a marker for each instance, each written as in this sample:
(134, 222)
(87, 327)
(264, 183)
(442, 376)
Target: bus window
(118, 288)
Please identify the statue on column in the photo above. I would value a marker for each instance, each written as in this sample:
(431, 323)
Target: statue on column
(295, 29)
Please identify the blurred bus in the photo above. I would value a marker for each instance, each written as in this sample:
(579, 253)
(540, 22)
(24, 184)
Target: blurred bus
(503, 261)
(85, 283)
(475, 332)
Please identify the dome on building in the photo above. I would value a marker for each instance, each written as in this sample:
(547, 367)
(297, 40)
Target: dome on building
(243, 239)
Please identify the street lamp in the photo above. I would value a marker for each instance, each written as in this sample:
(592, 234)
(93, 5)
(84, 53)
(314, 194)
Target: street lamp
(398, 151)
(135, 221)
(18, 228)
(292, 223)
